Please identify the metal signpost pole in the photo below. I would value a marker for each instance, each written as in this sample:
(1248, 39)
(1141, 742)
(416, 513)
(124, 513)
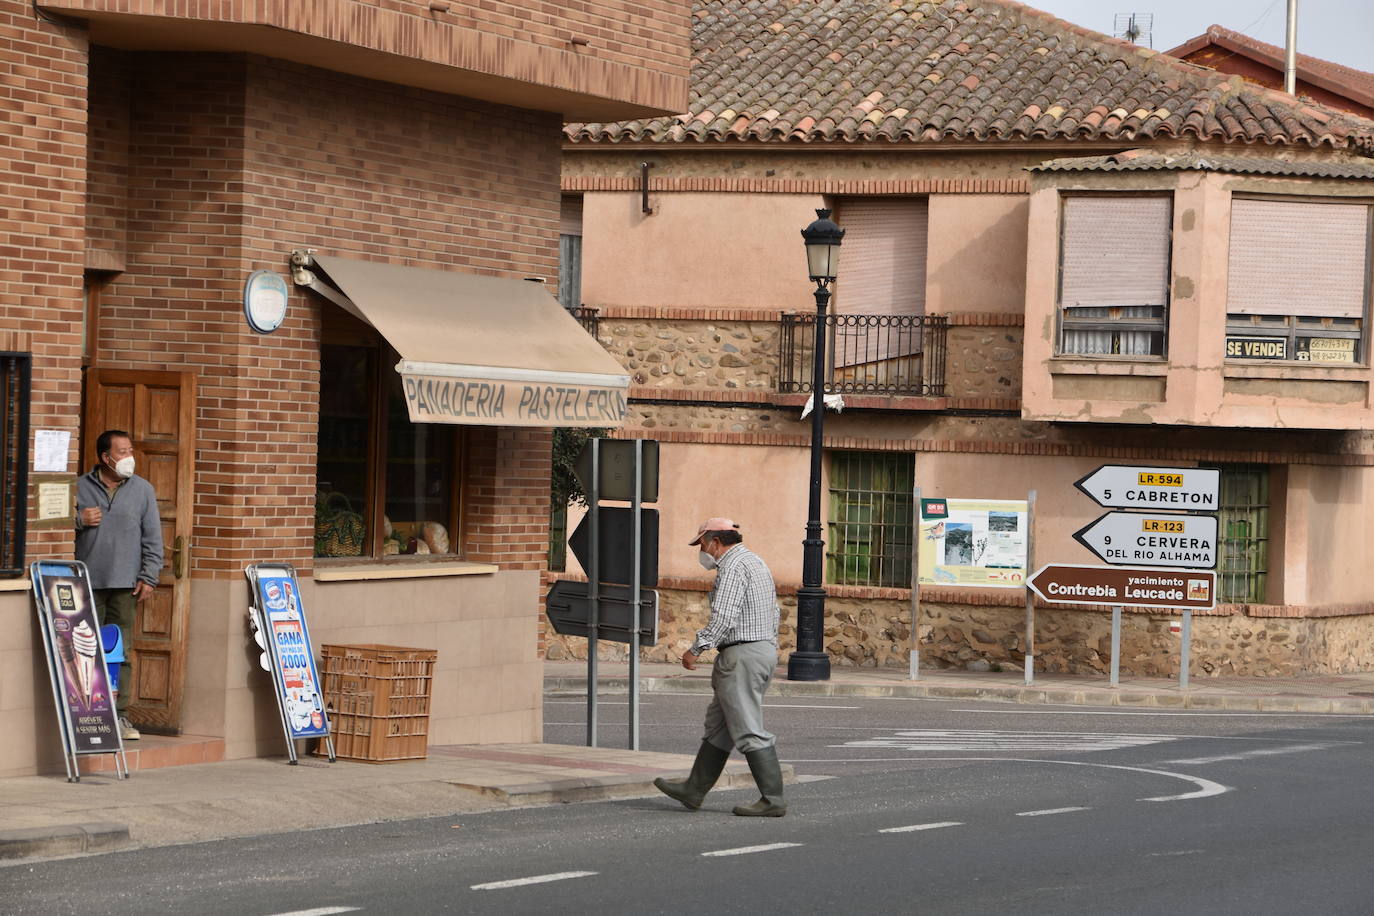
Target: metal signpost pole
(593, 589)
(1116, 645)
(914, 667)
(635, 509)
(1030, 595)
(1183, 664)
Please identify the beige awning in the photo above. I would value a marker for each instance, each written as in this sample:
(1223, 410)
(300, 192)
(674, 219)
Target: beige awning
(481, 350)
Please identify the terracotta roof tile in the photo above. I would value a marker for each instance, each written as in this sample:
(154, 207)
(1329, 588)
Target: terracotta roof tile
(1139, 160)
(943, 70)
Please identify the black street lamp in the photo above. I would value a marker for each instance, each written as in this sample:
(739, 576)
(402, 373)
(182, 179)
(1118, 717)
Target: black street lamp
(809, 662)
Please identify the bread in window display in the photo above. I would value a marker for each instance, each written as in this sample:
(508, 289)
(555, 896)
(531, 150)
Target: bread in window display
(435, 537)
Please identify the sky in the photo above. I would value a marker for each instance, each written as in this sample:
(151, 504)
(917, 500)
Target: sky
(1336, 30)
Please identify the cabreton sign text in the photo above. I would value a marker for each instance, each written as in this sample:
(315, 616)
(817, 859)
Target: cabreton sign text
(1131, 586)
(1127, 487)
(497, 402)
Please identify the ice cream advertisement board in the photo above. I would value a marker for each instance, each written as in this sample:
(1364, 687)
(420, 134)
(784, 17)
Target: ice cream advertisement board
(973, 542)
(76, 659)
(287, 638)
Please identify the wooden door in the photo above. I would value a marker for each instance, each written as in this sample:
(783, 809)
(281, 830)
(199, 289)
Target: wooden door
(158, 411)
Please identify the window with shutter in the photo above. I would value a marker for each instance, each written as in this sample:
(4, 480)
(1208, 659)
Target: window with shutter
(1114, 275)
(882, 281)
(1298, 278)
(570, 252)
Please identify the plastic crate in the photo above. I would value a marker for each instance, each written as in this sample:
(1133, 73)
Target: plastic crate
(378, 701)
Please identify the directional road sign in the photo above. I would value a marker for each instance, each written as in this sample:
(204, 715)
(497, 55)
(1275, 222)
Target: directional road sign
(569, 610)
(1153, 539)
(615, 561)
(1133, 586)
(1127, 487)
(617, 462)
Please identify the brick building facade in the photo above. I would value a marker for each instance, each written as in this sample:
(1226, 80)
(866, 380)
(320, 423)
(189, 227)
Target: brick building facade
(157, 157)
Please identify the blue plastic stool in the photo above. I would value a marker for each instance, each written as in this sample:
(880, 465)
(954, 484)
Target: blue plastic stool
(114, 652)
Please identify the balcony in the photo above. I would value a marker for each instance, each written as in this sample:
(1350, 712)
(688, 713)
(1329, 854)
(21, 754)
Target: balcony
(867, 354)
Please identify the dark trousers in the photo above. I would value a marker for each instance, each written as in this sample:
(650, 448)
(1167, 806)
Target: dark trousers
(117, 606)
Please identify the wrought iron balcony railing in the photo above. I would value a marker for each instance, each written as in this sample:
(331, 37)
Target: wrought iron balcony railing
(588, 317)
(866, 354)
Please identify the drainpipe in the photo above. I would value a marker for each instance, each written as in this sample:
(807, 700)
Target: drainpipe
(1290, 55)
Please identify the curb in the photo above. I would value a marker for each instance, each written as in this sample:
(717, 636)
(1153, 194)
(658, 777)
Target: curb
(1055, 696)
(65, 839)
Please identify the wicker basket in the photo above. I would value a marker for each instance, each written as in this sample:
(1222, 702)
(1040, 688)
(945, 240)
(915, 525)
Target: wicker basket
(378, 701)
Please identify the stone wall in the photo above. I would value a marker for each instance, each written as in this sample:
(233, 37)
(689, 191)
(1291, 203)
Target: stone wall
(876, 633)
(983, 362)
(662, 353)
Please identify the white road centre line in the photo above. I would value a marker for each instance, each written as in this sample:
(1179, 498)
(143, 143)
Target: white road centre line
(804, 706)
(537, 879)
(1258, 752)
(1162, 714)
(914, 827)
(745, 850)
(1045, 811)
(321, 911)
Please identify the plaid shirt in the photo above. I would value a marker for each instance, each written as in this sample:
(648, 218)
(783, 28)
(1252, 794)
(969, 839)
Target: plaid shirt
(744, 603)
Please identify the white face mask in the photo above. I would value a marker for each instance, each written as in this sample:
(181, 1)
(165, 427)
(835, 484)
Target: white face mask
(124, 467)
(706, 560)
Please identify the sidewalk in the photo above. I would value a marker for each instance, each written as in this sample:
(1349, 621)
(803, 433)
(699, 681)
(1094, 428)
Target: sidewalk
(44, 816)
(1348, 694)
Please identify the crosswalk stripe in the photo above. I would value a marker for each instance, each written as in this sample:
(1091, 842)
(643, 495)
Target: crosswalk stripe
(975, 740)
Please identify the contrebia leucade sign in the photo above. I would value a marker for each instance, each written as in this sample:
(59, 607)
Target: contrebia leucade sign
(503, 402)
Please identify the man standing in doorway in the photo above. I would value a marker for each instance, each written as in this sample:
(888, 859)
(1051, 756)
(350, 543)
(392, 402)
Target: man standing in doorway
(743, 628)
(119, 538)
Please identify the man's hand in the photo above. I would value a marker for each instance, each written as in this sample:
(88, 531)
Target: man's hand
(90, 516)
(142, 590)
(689, 660)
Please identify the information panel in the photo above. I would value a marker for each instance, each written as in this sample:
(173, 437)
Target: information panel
(973, 542)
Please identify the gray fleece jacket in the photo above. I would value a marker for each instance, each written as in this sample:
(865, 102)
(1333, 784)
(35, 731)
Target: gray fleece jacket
(127, 544)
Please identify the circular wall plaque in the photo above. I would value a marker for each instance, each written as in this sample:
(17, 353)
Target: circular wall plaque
(264, 301)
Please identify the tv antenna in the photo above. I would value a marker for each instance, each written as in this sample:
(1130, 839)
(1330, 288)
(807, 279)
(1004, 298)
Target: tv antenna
(1137, 28)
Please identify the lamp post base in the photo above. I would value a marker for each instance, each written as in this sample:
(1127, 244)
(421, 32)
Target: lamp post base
(808, 666)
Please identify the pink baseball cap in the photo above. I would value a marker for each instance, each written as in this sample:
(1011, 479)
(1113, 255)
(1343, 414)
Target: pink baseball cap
(712, 524)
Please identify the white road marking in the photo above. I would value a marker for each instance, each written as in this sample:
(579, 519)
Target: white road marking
(1191, 715)
(802, 706)
(1045, 811)
(1206, 787)
(1258, 752)
(915, 827)
(998, 740)
(537, 879)
(745, 850)
(320, 911)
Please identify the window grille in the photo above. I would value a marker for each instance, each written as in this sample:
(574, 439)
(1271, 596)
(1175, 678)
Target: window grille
(14, 458)
(1243, 530)
(870, 519)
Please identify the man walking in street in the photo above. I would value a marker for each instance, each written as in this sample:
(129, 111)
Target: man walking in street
(119, 538)
(743, 628)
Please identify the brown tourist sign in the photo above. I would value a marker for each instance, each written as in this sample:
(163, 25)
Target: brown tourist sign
(1130, 586)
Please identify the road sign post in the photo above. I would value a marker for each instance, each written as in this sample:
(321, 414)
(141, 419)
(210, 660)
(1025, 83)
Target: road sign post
(1116, 486)
(1152, 539)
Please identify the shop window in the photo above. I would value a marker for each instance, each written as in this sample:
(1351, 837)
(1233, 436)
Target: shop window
(385, 486)
(14, 459)
(1114, 275)
(870, 519)
(1243, 530)
(1298, 280)
(570, 253)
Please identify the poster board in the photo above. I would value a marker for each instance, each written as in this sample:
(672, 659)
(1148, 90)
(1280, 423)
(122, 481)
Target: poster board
(76, 664)
(277, 615)
(978, 543)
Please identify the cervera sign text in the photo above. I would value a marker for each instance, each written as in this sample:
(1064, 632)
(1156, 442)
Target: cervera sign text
(496, 402)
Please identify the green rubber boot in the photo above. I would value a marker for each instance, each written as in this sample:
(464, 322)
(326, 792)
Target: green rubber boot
(706, 770)
(768, 775)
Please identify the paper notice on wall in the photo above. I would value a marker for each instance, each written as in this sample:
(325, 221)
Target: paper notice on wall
(50, 450)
